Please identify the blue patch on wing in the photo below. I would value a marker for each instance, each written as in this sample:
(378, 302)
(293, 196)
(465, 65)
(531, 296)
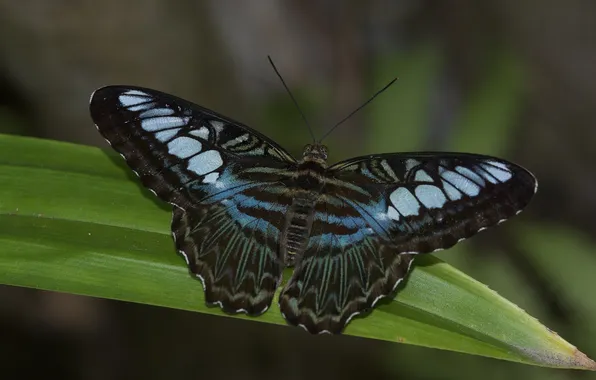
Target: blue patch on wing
(371, 220)
(231, 192)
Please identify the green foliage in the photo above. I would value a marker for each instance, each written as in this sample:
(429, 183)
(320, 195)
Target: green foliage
(72, 219)
(398, 118)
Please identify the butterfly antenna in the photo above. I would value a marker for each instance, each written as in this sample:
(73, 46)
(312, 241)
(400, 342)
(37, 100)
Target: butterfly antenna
(358, 109)
(293, 99)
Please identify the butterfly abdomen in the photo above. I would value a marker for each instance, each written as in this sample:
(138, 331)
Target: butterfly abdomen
(308, 181)
(298, 225)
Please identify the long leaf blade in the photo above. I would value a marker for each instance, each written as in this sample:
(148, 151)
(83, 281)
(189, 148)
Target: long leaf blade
(73, 220)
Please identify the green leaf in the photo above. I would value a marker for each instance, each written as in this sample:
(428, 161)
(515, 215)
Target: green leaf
(73, 220)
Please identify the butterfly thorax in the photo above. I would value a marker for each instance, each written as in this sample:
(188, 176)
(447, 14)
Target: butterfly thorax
(308, 181)
(315, 153)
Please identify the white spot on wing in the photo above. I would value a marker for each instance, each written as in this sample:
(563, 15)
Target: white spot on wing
(164, 122)
(404, 201)
(202, 133)
(422, 176)
(141, 107)
(392, 213)
(211, 178)
(217, 125)
(471, 175)
(430, 196)
(155, 112)
(461, 183)
(410, 163)
(499, 170)
(136, 92)
(498, 164)
(166, 135)
(451, 191)
(133, 98)
(181, 251)
(205, 162)
(238, 140)
(389, 170)
(184, 147)
(488, 176)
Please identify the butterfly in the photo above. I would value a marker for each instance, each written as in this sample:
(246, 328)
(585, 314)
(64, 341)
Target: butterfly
(244, 209)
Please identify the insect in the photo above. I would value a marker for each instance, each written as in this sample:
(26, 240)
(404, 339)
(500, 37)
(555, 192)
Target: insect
(244, 208)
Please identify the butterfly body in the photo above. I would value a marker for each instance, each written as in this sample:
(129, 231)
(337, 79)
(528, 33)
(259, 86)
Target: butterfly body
(244, 209)
(307, 182)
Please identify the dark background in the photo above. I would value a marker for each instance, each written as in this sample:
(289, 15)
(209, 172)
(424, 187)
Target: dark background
(510, 78)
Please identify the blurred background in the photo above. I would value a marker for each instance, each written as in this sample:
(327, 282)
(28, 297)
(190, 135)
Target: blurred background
(512, 79)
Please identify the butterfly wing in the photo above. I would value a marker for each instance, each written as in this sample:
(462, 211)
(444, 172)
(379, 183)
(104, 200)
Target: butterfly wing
(344, 270)
(225, 180)
(377, 212)
(238, 262)
(423, 202)
(181, 151)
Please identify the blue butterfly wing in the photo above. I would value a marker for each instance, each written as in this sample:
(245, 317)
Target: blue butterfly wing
(378, 212)
(345, 269)
(236, 258)
(224, 179)
(181, 151)
(423, 202)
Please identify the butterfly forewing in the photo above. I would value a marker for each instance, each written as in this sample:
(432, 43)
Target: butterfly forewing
(181, 151)
(422, 202)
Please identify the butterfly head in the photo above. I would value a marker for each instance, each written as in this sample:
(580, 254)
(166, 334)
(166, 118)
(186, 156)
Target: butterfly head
(315, 152)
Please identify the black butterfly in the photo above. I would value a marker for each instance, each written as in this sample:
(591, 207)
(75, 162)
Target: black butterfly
(244, 208)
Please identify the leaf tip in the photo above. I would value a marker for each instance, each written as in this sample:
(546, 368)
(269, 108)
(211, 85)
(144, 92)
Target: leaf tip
(583, 361)
(574, 360)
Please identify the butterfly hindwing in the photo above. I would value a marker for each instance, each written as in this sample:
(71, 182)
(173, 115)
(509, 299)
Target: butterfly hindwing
(423, 202)
(181, 151)
(238, 263)
(345, 269)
